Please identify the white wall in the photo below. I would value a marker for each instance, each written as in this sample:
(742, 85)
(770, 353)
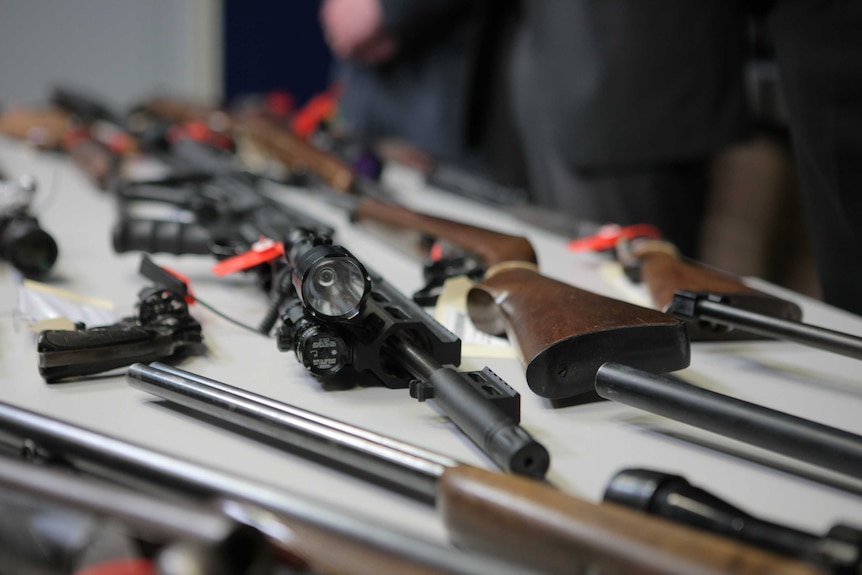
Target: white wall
(118, 50)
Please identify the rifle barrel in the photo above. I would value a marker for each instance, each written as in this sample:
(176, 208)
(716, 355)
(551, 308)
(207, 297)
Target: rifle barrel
(754, 424)
(410, 468)
(806, 334)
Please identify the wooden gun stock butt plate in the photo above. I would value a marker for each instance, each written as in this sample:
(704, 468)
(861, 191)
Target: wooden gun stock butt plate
(568, 367)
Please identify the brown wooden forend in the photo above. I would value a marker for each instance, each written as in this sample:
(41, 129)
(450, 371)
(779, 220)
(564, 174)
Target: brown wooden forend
(525, 520)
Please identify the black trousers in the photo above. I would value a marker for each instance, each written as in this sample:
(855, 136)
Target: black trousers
(818, 44)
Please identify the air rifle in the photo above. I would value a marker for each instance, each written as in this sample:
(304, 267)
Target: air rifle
(716, 304)
(303, 534)
(520, 520)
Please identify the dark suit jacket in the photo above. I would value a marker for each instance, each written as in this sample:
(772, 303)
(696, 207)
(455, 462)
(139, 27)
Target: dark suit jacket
(423, 94)
(628, 83)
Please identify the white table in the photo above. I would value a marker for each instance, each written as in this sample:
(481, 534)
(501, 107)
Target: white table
(588, 442)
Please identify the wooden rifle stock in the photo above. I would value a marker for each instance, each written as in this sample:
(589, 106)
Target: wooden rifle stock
(659, 265)
(563, 333)
(515, 518)
(44, 128)
(492, 247)
(297, 154)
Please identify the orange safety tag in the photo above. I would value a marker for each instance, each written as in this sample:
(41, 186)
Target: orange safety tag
(264, 250)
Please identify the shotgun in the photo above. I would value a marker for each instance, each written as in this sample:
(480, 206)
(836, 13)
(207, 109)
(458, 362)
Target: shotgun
(717, 305)
(520, 520)
(304, 534)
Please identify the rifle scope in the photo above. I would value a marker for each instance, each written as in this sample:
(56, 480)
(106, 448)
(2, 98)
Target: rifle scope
(23, 242)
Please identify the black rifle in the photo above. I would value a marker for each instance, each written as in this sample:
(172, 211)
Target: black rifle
(23, 242)
(345, 323)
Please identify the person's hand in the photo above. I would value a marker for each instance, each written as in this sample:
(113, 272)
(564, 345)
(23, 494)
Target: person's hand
(354, 30)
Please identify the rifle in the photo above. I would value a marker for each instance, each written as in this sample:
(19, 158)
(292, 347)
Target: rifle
(560, 345)
(375, 331)
(715, 304)
(23, 242)
(93, 136)
(671, 496)
(302, 533)
(518, 519)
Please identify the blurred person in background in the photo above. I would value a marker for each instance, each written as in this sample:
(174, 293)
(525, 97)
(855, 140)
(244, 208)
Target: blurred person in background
(621, 104)
(818, 46)
(407, 70)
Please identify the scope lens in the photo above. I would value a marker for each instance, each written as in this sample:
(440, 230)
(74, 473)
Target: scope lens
(335, 287)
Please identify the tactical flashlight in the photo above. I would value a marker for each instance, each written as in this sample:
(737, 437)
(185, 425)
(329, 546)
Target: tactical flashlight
(332, 284)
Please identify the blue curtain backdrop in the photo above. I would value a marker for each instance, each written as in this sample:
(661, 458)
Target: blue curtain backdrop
(274, 45)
